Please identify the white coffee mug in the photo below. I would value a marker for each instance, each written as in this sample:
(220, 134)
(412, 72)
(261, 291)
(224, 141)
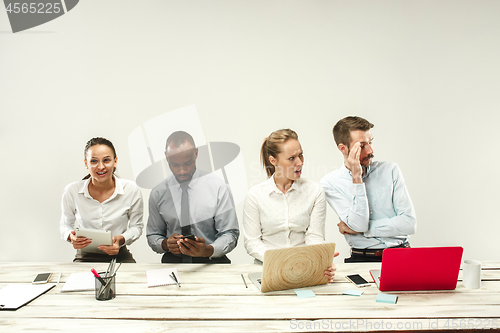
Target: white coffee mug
(471, 274)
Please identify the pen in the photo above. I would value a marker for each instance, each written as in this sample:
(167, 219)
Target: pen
(59, 278)
(113, 264)
(111, 267)
(244, 281)
(172, 275)
(116, 270)
(98, 277)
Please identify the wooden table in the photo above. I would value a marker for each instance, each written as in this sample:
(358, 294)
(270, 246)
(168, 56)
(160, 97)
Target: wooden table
(214, 298)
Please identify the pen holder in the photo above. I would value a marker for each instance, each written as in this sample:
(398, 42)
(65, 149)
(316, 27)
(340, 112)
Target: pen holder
(105, 288)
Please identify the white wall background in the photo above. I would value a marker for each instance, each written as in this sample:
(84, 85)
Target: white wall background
(426, 73)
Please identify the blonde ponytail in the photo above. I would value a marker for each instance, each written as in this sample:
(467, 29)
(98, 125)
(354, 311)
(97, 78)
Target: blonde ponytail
(272, 147)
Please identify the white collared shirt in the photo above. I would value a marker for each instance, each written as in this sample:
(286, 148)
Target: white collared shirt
(121, 213)
(272, 219)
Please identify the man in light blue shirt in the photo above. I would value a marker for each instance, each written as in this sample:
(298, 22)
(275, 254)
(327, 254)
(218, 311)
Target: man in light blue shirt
(370, 198)
(192, 203)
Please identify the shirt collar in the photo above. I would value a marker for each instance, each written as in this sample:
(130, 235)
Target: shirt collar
(271, 185)
(119, 186)
(191, 184)
(84, 189)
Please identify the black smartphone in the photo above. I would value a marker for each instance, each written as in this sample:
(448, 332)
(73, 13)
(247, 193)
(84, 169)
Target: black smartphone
(191, 237)
(42, 278)
(357, 280)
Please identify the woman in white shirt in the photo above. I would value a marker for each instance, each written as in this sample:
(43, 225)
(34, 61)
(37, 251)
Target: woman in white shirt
(102, 201)
(285, 210)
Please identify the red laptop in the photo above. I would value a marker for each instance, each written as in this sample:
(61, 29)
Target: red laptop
(424, 268)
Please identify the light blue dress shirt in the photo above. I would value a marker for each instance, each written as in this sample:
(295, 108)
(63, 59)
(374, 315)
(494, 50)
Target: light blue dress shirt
(380, 209)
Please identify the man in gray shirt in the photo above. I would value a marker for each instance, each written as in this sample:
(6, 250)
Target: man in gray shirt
(191, 202)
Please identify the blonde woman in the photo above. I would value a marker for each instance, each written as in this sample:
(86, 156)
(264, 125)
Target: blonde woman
(285, 210)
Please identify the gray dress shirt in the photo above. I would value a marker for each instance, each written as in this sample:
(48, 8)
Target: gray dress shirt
(211, 210)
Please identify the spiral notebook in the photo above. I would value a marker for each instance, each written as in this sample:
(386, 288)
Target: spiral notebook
(161, 277)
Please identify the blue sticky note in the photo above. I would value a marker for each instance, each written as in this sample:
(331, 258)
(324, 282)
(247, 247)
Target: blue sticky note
(305, 293)
(351, 292)
(386, 298)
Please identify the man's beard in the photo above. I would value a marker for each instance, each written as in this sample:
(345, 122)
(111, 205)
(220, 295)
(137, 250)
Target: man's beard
(366, 160)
